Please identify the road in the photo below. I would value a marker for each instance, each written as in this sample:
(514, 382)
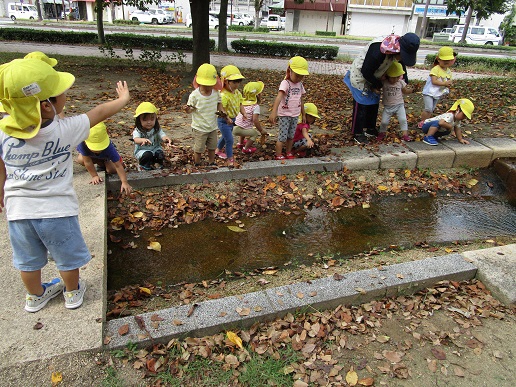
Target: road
(349, 48)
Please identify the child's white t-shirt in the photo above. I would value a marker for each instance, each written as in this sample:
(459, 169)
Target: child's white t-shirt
(39, 170)
(203, 116)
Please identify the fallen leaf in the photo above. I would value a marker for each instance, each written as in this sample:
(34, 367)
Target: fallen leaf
(383, 339)
(438, 353)
(236, 229)
(392, 356)
(145, 290)
(138, 214)
(156, 246)
(123, 330)
(190, 312)
(300, 295)
(352, 377)
(57, 377)
(366, 205)
(337, 277)
(177, 322)
(458, 371)
(243, 311)
(37, 326)
(366, 381)
(233, 337)
(155, 317)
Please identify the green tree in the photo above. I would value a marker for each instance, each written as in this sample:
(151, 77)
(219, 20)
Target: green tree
(508, 27)
(482, 8)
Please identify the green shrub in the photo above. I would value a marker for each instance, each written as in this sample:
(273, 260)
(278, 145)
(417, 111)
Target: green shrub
(326, 33)
(505, 64)
(119, 21)
(153, 42)
(256, 47)
(248, 29)
(45, 36)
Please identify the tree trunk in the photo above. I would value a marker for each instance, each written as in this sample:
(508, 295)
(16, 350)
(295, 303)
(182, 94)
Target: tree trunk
(466, 25)
(100, 24)
(38, 6)
(223, 31)
(200, 33)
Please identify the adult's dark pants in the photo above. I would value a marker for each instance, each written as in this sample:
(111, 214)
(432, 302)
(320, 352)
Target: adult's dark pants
(364, 117)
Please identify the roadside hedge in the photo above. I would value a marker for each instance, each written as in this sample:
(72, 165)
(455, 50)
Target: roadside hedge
(114, 40)
(255, 47)
(248, 29)
(506, 64)
(326, 33)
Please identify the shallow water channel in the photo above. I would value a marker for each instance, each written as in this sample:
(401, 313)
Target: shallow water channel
(204, 250)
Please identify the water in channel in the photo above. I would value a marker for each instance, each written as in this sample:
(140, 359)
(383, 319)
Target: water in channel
(204, 250)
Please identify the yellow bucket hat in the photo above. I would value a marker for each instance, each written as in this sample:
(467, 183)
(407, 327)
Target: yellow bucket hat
(98, 140)
(299, 65)
(41, 56)
(445, 53)
(145, 107)
(206, 75)
(466, 106)
(24, 83)
(230, 73)
(251, 90)
(395, 69)
(311, 109)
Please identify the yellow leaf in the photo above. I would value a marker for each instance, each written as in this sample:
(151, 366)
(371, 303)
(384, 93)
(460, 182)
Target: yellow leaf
(471, 183)
(156, 246)
(57, 377)
(233, 337)
(365, 205)
(448, 250)
(118, 220)
(138, 214)
(236, 229)
(146, 290)
(352, 378)
(383, 188)
(407, 173)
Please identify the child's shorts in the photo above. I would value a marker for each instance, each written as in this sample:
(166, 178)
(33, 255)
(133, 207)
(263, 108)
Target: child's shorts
(251, 133)
(203, 140)
(430, 103)
(287, 128)
(301, 142)
(427, 125)
(61, 237)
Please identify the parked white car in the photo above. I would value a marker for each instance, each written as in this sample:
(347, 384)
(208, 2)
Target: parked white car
(22, 11)
(213, 21)
(248, 19)
(274, 22)
(476, 35)
(150, 17)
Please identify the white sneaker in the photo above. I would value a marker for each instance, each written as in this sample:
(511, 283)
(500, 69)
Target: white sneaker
(34, 303)
(74, 298)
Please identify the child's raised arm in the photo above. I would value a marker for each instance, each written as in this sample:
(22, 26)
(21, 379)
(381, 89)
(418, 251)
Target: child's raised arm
(107, 109)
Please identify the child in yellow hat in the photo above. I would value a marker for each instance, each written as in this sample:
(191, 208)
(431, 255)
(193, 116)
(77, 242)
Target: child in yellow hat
(302, 141)
(231, 99)
(288, 105)
(148, 136)
(36, 176)
(393, 89)
(439, 81)
(204, 103)
(98, 149)
(248, 124)
(442, 125)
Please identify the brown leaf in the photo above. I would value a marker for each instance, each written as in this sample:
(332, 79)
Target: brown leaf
(438, 353)
(338, 277)
(177, 322)
(458, 371)
(392, 356)
(366, 381)
(432, 365)
(243, 311)
(192, 308)
(140, 322)
(37, 326)
(123, 330)
(155, 317)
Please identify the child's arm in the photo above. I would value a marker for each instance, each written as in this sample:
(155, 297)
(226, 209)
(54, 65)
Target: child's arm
(142, 141)
(107, 109)
(309, 142)
(90, 167)
(274, 112)
(166, 140)
(438, 82)
(123, 177)
(3, 177)
(446, 125)
(242, 111)
(458, 133)
(303, 115)
(407, 89)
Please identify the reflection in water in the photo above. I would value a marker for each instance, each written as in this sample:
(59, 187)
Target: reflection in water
(206, 249)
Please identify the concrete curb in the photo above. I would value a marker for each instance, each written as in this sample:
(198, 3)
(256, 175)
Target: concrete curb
(212, 316)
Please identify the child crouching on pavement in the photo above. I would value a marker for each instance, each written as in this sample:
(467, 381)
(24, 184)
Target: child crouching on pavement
(302, 142)
(245, 125)
(443, 124)
(36, 177)
(98, 149)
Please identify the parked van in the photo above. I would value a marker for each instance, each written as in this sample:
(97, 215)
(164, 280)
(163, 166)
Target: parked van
(22, 11)
(274, 22)
(476, 35)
